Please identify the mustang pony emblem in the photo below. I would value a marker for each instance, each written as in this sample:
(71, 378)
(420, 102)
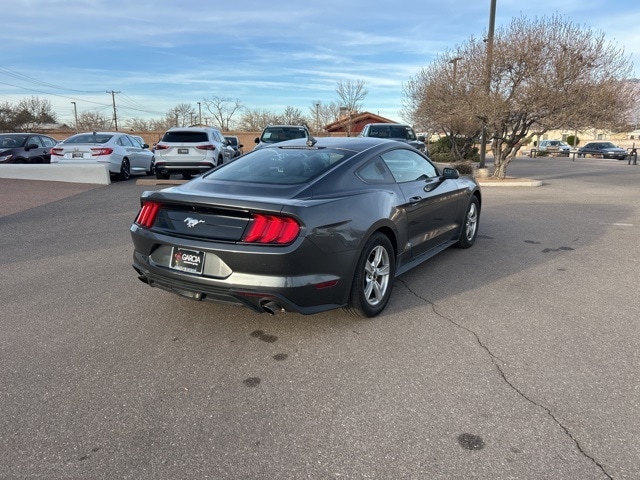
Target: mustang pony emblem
(192, 222)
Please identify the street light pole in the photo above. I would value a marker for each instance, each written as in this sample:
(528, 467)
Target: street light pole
(489, 60)
(199, 114)
(75, 115)
(317, 117)
(455, 61)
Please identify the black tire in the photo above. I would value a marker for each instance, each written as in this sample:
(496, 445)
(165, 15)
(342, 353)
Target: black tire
(152, 167)
(125, 170)
(470, 224)
(162, 176)
(373, 278)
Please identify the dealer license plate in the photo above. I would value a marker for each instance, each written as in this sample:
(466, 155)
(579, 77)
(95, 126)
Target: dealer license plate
(187, 260)
(77, 155)
(183, 151)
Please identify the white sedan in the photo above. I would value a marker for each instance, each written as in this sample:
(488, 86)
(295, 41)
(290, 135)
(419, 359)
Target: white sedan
(122, 153)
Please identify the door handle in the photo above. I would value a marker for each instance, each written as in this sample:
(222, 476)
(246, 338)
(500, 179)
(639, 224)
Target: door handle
(414, 200)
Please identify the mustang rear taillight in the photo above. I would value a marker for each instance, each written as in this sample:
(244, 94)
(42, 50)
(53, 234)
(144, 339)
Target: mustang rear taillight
(271, 229)
(148, 214)
(206, 147)
(96, 152)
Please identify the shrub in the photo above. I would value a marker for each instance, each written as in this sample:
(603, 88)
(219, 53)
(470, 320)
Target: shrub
(570, 140)
(464, 168)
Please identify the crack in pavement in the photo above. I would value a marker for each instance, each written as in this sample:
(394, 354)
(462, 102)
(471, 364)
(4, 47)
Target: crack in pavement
(494, 360)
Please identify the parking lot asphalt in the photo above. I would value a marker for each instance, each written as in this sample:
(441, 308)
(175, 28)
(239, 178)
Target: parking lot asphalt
(516, 359)
(19, 195)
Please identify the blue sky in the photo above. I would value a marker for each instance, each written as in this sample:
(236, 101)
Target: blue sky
(267, 55)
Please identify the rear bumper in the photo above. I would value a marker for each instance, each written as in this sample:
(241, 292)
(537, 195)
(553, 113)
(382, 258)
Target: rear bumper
(180, 167)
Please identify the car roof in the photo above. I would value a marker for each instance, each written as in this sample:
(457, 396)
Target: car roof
(349, 143)
(191, 129)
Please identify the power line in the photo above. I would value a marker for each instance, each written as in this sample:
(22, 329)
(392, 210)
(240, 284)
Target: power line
(22, 76)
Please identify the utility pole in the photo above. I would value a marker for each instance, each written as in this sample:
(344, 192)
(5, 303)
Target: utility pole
(455, 61)
(492, 22)
(115, 115)
(75, 115)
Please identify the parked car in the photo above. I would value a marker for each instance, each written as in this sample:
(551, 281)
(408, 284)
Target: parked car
(191, 151)
(234, 142)
(554, 146)
(606, 149)
(394, 131)
(25, 148)
(304, 226)
(280, 133)
(120, 152)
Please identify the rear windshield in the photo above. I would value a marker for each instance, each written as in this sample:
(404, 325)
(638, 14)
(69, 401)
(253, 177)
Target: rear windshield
(392, 131)
(185, 137)
(88, 138)
(280, 166)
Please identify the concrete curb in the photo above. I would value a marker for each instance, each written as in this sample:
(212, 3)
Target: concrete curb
(81, 173)
(509, 182)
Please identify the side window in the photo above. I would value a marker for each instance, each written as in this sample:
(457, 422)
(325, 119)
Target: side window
(35, 139)
(124, 141)
(48, 142)
(375, 171)
(408, 165)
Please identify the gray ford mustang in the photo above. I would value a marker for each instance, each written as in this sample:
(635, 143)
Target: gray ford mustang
(304, 225)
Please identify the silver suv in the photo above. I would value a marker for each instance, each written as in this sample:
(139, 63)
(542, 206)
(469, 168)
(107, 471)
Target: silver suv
(190, 150)
(554, 146)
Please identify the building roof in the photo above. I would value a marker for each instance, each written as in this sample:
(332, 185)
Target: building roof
(358, 119)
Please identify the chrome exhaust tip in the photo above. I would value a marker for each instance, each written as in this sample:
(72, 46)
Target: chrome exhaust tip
(270, 307)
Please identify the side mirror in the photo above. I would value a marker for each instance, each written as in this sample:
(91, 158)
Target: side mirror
(450, 173)
(145, 145)
(421, 138)
(31, 146)
(257, 140)
(240, 146)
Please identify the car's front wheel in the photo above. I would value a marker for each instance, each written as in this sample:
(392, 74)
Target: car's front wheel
(470, 226)
(125, 170)
(373, 279)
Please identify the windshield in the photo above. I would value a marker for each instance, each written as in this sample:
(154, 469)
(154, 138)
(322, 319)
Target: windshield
(280, 134)
(280, 166)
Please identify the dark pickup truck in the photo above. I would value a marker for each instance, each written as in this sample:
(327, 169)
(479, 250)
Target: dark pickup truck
(394, 131)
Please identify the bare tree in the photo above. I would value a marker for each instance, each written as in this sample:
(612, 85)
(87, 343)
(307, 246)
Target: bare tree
(182, 115)
(94, 121)
(546, 73)
(351, 94)
(138, 124)
(323, 114)
(28, 114)
(254, 120)
(223, 110)
(293, 116)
